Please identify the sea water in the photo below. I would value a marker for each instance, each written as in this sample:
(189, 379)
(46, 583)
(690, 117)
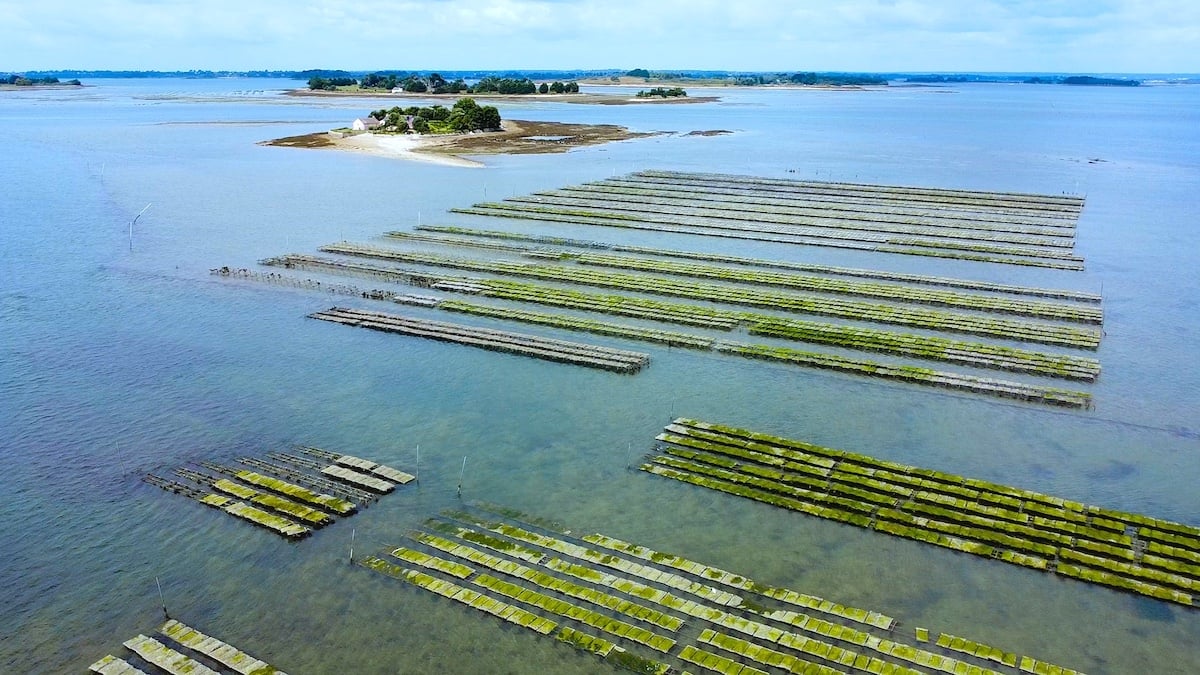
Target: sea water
(120, 354)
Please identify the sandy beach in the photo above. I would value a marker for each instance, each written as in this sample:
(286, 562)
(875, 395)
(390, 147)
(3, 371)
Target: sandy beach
(402, 147)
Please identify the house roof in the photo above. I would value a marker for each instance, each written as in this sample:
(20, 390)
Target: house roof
(369, 121)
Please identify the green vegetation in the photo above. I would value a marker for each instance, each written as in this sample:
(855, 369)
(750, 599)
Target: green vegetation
(317, 83)
(1017, 526)
(1085, 81)
(1012, 329)
(618, 583)
(759, 79)
(505, 85)
(435, 83)
(832, 79)
(662, 92)
(735, 260)
(465, 115)
(22, 81)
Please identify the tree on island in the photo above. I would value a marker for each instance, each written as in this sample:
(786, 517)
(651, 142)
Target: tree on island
(662, 92)
(435, 83)
(379, 81)
(836, 79)
(23, 81)
(465, 115)
(318, 83)
(639, 72)
(504, 85)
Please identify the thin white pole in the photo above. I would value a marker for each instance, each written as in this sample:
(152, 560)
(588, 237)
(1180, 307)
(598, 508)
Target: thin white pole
(460, 476)
(135, 219)
(160, 599)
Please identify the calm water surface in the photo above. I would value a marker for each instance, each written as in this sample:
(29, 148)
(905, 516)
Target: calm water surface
(115, 361)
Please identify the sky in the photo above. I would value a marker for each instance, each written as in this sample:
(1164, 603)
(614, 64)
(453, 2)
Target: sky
(1080, 36)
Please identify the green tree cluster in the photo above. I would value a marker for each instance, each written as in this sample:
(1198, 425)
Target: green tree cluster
(434, 84)
(379, 81)
(662, 92)
(318, 83)
(440, 85)
(639, 72)
(504, 85)
(465, 115)
(836, 79)
(22, 81)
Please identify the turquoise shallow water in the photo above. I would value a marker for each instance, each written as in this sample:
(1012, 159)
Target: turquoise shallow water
(117, 361)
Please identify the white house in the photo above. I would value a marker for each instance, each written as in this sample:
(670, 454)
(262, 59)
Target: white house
(365, 124)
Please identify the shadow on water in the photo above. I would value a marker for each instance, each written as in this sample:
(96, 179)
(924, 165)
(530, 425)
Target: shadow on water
(1150, 610)
(1112, 471)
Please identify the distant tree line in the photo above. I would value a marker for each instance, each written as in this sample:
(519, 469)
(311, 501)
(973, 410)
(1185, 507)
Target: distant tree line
(936, 79)
(434, 83)
(1084, 80)
(23, 81)
(464, 115)
(317, 83)
(756, 79)
(835, 79)
(662, 92)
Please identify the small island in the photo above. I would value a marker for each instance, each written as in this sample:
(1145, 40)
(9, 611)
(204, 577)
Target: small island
(661, 92)
(487, 87)
(728, 79)
(14, 81)
(434, 83)
(439, 134)
(1085, 81)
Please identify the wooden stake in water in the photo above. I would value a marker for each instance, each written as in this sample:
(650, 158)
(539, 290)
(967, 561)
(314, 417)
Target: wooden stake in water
(161, 600)
(135, 219)
(460, 476)
(629, 455)
(352, 532)
(417, 477)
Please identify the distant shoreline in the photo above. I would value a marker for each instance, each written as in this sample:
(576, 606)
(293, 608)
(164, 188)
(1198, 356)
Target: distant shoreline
(722, 84)
(600, 99)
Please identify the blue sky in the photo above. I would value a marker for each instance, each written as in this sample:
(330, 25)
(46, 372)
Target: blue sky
(1099, 36)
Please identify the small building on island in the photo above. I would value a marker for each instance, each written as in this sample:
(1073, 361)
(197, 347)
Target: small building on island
(365, 124)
